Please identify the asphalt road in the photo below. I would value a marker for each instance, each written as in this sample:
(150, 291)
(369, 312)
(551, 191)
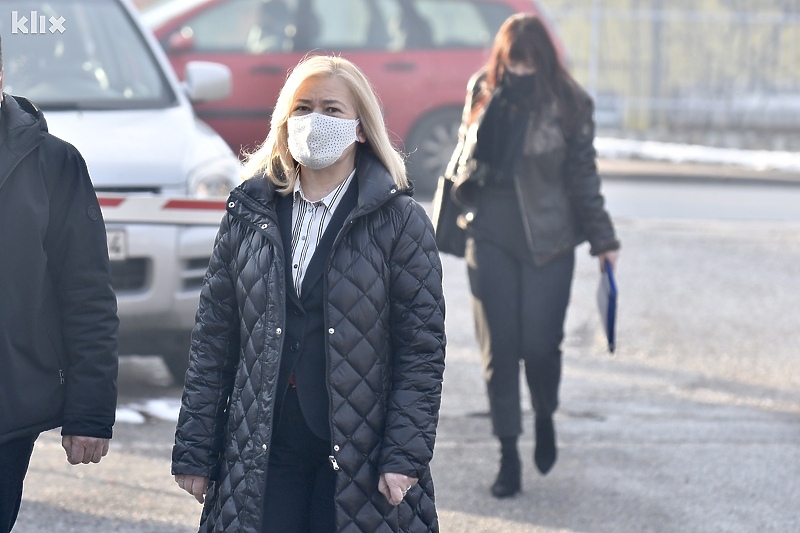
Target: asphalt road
(692, 426)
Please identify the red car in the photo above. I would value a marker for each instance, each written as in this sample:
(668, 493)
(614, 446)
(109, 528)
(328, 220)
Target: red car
(419, 54)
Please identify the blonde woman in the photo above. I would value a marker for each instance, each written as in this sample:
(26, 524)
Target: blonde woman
(313, 391)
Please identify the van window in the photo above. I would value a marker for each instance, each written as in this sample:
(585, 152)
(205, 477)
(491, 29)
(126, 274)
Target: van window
(99, 61)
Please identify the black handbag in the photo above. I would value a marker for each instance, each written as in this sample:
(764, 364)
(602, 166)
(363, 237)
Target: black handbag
(451, 238)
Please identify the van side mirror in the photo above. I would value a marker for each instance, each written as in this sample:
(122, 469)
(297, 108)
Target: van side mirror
(205, 81)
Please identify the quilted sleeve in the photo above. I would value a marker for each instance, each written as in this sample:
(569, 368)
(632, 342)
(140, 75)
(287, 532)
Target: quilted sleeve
(212, 362)
(418, 347)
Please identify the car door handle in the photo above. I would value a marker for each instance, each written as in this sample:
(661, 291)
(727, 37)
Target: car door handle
(400, 66)
(268, 70)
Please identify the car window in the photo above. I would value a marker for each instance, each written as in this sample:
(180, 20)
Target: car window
(334, 25)
(99, 60)
(398, 24)
(251, 26)
(156, 15)
(477, 22)
(408, 28)
(493, 15)
(269, 26)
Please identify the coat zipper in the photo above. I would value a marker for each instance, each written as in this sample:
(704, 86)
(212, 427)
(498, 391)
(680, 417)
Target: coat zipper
(345, 228)
(22, 156)
(348, 223)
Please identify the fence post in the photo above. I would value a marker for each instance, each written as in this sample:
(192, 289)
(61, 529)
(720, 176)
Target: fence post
(656, 64)
(594, 47)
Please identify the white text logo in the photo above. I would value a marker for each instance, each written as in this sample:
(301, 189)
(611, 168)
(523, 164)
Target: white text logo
(38, 23)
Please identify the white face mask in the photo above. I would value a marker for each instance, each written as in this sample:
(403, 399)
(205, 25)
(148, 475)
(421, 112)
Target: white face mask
(316, 141)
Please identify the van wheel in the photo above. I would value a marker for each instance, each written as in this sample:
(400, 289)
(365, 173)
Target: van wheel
(175, 354)
(177, 367)
(430, 147)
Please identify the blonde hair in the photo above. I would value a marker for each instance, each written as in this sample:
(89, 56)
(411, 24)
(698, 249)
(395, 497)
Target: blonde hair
(273, 156)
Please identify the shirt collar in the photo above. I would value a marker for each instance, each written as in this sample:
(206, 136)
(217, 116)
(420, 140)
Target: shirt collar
(327, 200)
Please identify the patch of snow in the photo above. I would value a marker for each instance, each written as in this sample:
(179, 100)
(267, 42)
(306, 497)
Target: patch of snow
(610, 148)
(127, 415)
(160, 408)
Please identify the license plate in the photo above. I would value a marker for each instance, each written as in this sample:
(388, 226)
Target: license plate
(117, 245)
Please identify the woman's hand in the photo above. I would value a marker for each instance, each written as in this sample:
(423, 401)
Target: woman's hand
(612, 257)
(194, 485)
(395, 486)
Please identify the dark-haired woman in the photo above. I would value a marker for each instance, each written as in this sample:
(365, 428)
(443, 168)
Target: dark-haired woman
(526, 174)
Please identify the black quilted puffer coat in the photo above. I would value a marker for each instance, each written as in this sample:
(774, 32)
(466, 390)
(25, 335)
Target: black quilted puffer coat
(385, 355)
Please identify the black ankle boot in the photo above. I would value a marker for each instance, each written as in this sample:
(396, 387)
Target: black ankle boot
(509, 478)
(545, 453)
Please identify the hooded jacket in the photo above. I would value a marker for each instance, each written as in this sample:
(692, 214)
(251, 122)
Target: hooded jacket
(384, 329)
(555, 177)
(58, 312)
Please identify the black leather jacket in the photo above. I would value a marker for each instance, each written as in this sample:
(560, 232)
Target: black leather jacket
(555, 177)
(384, 342)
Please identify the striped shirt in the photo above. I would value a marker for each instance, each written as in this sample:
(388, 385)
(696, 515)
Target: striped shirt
(309, 221)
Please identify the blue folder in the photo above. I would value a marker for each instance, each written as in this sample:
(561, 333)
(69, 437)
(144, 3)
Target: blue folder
(607, 304)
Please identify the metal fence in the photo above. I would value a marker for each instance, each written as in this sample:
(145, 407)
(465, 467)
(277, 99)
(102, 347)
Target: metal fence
(721, 72)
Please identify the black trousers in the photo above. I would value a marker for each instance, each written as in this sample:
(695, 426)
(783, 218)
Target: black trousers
(519, 312)
(300, 478)
(15, 456)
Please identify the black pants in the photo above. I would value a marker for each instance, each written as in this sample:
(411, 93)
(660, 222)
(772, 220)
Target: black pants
(15, 456)
(300, 478)
(519, 312)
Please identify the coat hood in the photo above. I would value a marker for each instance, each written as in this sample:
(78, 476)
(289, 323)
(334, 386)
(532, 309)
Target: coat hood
(22, 128)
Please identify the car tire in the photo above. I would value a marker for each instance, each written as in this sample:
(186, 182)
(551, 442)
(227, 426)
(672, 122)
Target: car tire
(430, 147)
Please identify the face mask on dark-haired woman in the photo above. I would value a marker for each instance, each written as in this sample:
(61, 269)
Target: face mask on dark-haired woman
(520, 82)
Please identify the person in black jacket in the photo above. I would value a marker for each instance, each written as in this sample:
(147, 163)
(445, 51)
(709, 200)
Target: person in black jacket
(313, 391)
(525, 172)
(58, 312)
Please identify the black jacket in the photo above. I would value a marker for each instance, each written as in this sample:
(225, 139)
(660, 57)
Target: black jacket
(555, 177)
(58, 313)
(384, 343)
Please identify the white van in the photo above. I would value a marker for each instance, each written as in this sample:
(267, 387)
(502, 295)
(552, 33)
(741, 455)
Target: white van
(105, 86)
